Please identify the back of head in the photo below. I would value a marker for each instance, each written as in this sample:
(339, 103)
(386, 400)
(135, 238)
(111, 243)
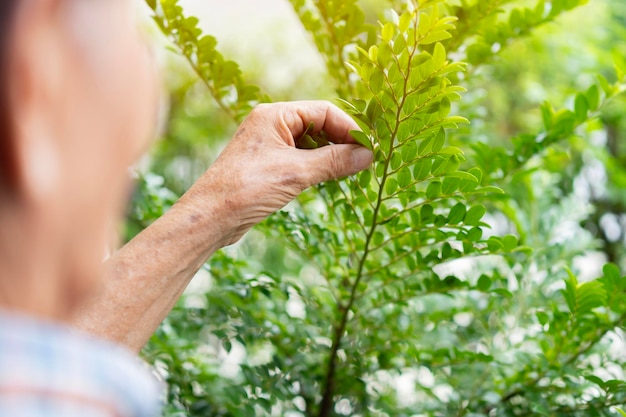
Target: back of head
(78, 100)
(7, 9)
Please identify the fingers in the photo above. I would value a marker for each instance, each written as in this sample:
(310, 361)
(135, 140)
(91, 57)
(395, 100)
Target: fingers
(324, 115)
(332, 162)
(286, 122)
(329, 162)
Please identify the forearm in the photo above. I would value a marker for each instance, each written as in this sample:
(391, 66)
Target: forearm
(145, 278)
(259, 172)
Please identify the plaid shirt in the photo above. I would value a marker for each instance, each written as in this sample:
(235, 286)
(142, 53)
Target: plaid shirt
(50, 370)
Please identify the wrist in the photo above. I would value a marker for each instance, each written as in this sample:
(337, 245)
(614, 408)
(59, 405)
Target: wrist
(211, 206)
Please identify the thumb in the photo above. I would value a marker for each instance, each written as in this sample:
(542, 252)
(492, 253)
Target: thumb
(336, 161)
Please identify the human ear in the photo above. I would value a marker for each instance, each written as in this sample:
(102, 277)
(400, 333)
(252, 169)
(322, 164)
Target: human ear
(38, 166)
(35, 73)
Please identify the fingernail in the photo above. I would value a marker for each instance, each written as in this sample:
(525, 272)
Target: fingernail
(362, 158)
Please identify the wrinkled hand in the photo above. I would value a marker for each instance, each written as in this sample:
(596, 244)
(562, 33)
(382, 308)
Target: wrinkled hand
(261, 170)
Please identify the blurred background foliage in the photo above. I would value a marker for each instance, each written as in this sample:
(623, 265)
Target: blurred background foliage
(254, 317)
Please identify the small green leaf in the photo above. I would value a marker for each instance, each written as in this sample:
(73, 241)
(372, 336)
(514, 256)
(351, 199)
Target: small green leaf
(392, 186)
(420, 59)
(439, 56)
(474, 215)
(454, 121)
(583, 298)
(509, 242)
(494, 244)
(484, 283)
(542, 317)
(438, 165)
(502, 292)
(451, 165)
(405, 131)
(373, 53)
(444, 108)
(366, 71)
(605, 85)
(489, 190)
(306, 142)
(474, 234)
(593, 97)
(405, 21)
(446, 251)
(422, 168)
(378, 238)
(450, 185)
(385, 54)
(399, 45)
(569, 292)
(434, 190)
(365, 178)
(476, 173)
(457, 214)
(581, 107)
(396, 161)
(387, 32)
(373, 111)
(439, 140)
(465, 177)
(540, 410)
(427, 213)
(361, 138)
(589, 295)
(516, 20)
(404, 178)
(426, 146)
(376, 82)
(408, 151)
(227, 345)
(436, 37)
(612, 272)
(451, 150)
(547, 113)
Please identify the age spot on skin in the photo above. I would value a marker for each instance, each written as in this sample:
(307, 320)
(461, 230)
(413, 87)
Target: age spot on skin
(229, 203)
(254, 146)
(290, 180)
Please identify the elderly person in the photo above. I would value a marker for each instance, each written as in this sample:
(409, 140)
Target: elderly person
(77, 108)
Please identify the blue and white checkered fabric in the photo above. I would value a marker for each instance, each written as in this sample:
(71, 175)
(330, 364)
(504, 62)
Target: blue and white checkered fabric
(50, 370)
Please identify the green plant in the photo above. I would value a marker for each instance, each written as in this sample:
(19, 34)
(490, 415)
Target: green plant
(393, 277)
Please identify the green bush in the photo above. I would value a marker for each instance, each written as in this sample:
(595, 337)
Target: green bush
(443, 281)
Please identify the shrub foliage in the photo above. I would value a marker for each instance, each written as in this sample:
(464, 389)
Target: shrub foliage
(431, 284)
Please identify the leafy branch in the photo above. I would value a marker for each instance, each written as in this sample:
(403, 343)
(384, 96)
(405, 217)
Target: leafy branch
(582, 299)
(558, 125)
(376, 299)
(421, 96)
(222, 77)
(486, 40)
(336, 27)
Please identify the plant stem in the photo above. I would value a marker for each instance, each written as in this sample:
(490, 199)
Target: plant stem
(326, 404)
(339, 63)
